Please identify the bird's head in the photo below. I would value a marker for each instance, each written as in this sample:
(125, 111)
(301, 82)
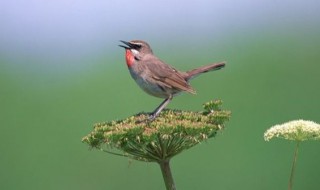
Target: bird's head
(135, 50)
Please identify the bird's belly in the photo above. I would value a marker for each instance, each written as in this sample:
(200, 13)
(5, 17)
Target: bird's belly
(150, 86)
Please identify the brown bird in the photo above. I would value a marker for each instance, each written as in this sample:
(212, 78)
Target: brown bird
(158, 78)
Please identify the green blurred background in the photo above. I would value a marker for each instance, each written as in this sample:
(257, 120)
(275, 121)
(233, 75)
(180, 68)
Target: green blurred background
(61, 71)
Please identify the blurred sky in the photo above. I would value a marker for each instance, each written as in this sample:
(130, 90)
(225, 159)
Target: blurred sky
(76, 29)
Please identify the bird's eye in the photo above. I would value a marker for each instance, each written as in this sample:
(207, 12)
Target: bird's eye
(137, 46)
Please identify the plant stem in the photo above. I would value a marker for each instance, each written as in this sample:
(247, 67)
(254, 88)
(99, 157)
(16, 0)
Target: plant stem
(293, 165)
(166, 173)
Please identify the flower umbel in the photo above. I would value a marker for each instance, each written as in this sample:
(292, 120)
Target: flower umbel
(297, 130)
(172, 132)
(169, 134)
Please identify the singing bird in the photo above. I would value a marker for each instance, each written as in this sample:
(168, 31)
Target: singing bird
(158, 78)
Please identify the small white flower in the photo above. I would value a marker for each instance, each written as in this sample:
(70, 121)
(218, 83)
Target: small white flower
(297, 130)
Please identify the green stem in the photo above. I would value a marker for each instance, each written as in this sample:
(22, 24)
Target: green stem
(293, 165)
(166, 173)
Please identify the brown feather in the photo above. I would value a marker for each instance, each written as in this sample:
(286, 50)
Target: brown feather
(204, 69)
(168, 76)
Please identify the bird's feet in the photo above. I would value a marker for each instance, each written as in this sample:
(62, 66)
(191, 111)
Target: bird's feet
(152, 116)
(149, 118)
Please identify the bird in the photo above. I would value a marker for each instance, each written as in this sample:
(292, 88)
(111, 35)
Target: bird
(157, 78)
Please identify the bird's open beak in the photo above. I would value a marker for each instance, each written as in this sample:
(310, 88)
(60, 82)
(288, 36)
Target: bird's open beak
(129, 45)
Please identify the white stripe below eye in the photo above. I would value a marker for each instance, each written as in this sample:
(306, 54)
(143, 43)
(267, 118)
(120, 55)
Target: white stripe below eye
(135, 52)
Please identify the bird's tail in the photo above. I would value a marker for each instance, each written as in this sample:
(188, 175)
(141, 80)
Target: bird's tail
(204, 69)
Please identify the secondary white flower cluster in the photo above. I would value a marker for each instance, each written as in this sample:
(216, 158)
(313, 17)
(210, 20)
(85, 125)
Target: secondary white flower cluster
(297, 130)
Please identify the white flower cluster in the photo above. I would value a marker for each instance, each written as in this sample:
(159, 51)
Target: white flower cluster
(297, 130)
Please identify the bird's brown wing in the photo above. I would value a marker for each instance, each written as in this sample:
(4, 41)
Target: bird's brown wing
(169, 77)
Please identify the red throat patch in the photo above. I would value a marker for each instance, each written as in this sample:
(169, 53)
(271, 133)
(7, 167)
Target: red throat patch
(129, 57)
